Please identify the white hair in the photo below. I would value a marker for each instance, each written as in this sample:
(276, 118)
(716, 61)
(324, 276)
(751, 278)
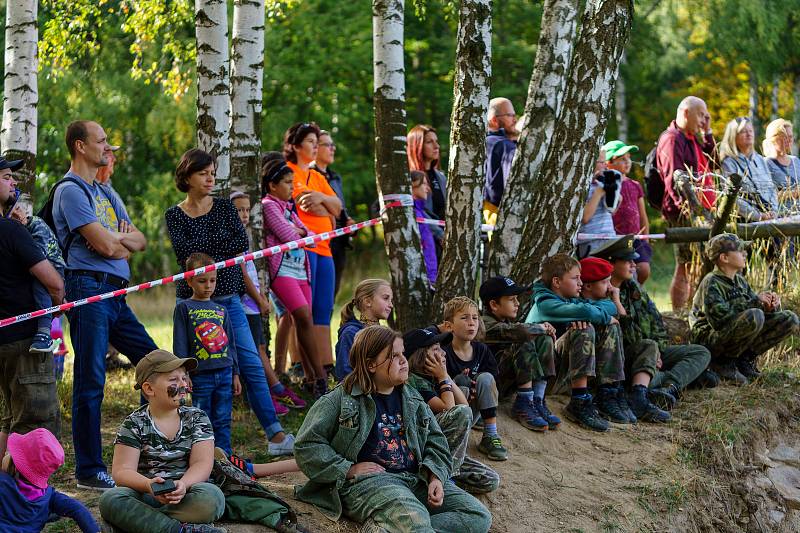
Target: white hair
(494, 104)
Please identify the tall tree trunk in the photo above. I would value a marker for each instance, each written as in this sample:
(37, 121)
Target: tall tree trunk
(550, 72)
(20, 89)
(400, 232)
(562, 184)
(461, 253)
(213, 85)
(753, 101)
(621, 102)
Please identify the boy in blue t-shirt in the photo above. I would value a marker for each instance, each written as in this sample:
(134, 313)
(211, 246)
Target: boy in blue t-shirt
(201, 331)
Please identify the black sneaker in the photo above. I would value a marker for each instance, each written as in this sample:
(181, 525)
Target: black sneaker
(100, 482)
(608, 406)
(624, 406)
(552, 420)
(582, 412)
(727, 371)
(707, 380)
(42, 343)
(202, 528)
(493, 447)
(644, 409)
(748, 368)
(665, 397)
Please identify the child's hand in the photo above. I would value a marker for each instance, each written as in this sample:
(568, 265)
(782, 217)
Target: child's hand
(613, 321)
(237, 385)
(435, 492)
(435, 366)
(613, 293)
(579, 325)
(264, 307)
(366, 467)
(548, 327)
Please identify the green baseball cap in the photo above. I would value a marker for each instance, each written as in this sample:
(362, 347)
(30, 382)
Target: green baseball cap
(617, 148)
(724, 243)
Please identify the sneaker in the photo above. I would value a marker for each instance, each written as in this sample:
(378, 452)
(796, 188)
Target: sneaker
(289, 525)
(290, 399)
(608, 406)
(527, 414)
(624, 406)
(583, 412)
(285, 447)
(42, 343)
(234, 460)
(707, 380)
(552, 420)
(202, 528)
(493, 447)
(644, 409)
(320, 388)
(727, 371)
(748, 368)
(665, 397)
(280, 409)
(100, 482)
(295, 373)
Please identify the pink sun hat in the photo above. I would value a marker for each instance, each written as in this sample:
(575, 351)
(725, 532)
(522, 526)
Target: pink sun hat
(36, 455)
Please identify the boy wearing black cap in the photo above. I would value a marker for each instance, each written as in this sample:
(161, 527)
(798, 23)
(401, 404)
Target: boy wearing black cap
(524, 352)
(428, 375)
(164, 444)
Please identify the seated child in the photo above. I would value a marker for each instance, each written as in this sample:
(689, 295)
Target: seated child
(474, 369)
(611, 400)
(373, 451)
(28, 499)
(631, 216)
(163, 441)
(373, 301)
(420, 191)
(588, 338)
(44, 238)
(524, 352)
(201, 330)
(428, 375)
(644, 336)
(730, 319)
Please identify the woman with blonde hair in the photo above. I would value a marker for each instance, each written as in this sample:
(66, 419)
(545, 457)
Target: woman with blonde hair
(372, 302)
(373, 451)
(783, 166)
(758, 199)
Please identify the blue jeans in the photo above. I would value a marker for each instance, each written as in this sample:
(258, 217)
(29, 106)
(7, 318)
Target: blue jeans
(212, 391)
(91, 328)
(43, 300)
(251, 371)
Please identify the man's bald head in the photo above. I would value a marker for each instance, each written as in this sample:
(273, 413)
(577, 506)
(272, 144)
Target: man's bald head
(692, 115)
(501, 114)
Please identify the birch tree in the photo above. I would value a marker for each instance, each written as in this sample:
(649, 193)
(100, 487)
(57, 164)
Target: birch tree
(562, 183)
(400, 232)
(461, 253)
(20, 89)
(213, 85)
(545, 92)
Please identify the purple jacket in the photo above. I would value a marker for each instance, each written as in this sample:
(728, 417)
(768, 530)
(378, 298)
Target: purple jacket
(278, 230)
(426, 239)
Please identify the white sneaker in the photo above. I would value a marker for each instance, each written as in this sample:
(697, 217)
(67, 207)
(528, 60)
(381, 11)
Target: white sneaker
(285, 447)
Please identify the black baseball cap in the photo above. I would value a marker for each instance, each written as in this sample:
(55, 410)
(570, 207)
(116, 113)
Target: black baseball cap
(13, 165)
(422, 338)
(499, 286)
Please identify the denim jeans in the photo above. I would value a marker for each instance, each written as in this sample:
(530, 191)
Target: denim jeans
(91, 328)
(43, 300)
(134, 512)
(212, 391)
(251, 371)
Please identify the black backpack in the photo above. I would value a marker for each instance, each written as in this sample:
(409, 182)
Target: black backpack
(46, 213)
(653, 182)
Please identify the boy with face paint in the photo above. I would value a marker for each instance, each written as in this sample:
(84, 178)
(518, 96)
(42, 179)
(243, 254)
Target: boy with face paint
(163, 440)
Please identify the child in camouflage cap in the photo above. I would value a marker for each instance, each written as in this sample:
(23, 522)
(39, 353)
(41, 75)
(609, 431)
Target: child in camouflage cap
(735, 323)
(164, 441)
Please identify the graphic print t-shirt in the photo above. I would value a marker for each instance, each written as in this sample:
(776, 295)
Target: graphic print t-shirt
(387, 444)
(294, 261)
(203, 331)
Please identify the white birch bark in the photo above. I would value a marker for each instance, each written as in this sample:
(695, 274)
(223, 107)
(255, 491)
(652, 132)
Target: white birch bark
(562, 184)
(545, 92)
(400, 232)
(213, 85)
(20, 88)
(461, 253)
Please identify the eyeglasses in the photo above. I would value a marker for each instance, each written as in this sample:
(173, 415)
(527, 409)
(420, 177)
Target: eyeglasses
(513, 115)
(328, 145)
(739, 120)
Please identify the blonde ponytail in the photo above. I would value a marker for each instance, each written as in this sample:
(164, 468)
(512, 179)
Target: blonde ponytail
(365, 290)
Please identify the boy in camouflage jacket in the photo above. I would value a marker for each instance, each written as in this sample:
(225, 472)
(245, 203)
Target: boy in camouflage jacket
(735, 323)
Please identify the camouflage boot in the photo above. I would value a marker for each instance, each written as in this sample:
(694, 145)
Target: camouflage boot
(608, 406)
(746, 365)
(644, 409)
(726, 369)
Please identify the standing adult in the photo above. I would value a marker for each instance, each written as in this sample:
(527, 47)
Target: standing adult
(318, 206)
(97, 238)
(501, 144)
(203, 223)
(686, 145)
(783, 166)
(422, 149)
(326, 155)
(28, 397)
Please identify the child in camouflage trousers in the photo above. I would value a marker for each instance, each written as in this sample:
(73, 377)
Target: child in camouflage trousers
(524, 352)
(730, 319)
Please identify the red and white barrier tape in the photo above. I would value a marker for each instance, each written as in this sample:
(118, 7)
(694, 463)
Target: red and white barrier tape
(437, 222)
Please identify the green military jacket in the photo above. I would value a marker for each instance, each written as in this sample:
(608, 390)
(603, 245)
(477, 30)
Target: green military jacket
(643, 320)
(336, 428)
(503, 333)
(718, 300)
